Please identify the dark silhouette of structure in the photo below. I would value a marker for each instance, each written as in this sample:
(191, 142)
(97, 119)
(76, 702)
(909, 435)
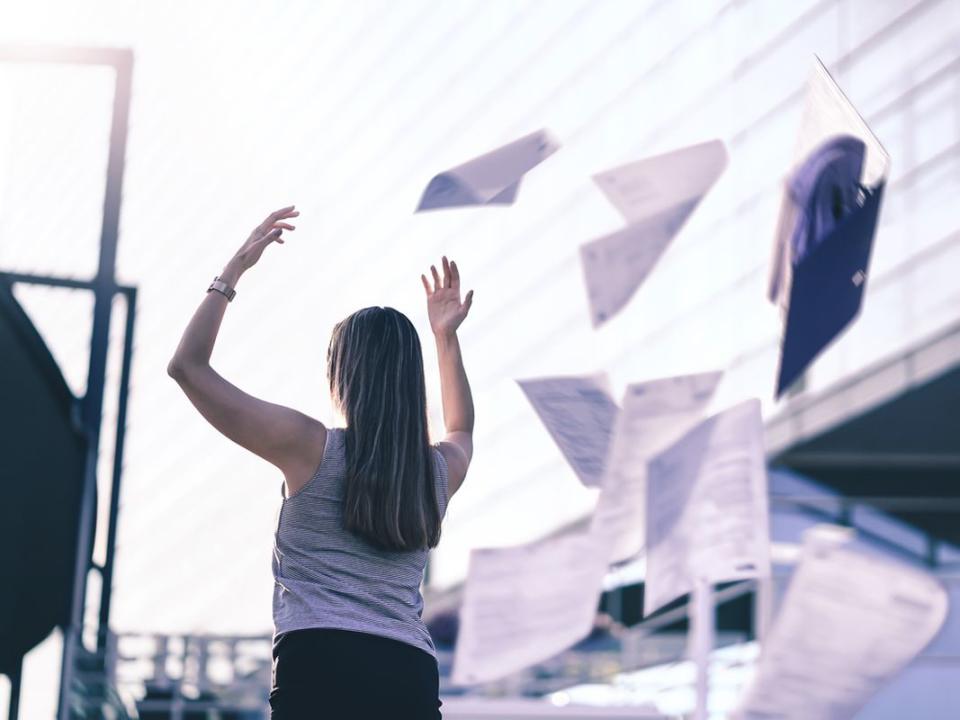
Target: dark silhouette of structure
(51, 440)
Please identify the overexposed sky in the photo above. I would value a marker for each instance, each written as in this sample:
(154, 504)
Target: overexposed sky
(347, 109)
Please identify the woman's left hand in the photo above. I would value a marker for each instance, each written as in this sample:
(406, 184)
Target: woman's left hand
(262, 235)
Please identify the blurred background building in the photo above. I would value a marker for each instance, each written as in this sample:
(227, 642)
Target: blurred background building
(347, 109)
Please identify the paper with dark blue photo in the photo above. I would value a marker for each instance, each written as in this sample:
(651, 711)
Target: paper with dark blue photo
(827, 222)
(826, 290)
(706, 504)
(822, 191)
(579, 414)
(656, 196)
(492, 178)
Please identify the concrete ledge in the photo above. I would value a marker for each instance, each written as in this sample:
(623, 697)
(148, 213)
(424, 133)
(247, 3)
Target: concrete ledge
(807, 417)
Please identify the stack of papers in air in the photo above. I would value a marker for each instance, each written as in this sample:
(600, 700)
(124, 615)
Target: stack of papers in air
(525, 603)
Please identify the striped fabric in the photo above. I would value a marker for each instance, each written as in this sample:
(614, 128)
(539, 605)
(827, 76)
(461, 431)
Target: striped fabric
(327, 577)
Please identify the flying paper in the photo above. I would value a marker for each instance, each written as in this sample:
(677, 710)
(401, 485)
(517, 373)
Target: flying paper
(851, 619)
(654, 415)
(579, 413)
(491, 179)
(526, 603)
(707, 514)
(828, 218)
(656, 196)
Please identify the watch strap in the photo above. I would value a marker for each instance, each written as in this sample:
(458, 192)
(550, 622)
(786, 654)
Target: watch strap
(220, 286)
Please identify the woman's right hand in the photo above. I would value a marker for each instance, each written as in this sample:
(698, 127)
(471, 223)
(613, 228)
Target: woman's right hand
(444, 308)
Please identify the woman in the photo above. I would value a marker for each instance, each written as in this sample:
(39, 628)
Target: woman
(361, 504)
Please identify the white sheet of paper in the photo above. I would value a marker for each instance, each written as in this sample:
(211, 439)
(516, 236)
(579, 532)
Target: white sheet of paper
(616, 265)
(654, 414)
(659, 183)
(524, 604)
(707, 510)
(655, 195)
(827, 112)
(579, 413)
(850, 621)
(492, 178)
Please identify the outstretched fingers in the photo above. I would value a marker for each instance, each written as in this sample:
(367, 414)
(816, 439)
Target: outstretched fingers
(454, 275)
(467, 302)
(446, 272)
(283, 213)
(277, 215)
(450, 279)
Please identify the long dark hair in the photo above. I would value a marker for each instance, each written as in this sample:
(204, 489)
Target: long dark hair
(375, 368)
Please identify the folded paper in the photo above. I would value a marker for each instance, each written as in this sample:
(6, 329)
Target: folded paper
(656, 196)
(492, 178)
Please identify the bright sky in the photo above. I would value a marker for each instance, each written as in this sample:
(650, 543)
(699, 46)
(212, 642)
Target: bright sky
(347, 109)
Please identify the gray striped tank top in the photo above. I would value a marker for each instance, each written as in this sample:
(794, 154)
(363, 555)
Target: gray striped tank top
(328, 577)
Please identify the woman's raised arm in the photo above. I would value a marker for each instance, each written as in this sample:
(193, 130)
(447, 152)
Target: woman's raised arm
(446, 312)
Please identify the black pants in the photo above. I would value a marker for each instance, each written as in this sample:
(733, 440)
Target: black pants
(332, 674)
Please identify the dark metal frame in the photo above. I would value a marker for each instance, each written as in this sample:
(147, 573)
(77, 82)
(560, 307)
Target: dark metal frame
(104, 288)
